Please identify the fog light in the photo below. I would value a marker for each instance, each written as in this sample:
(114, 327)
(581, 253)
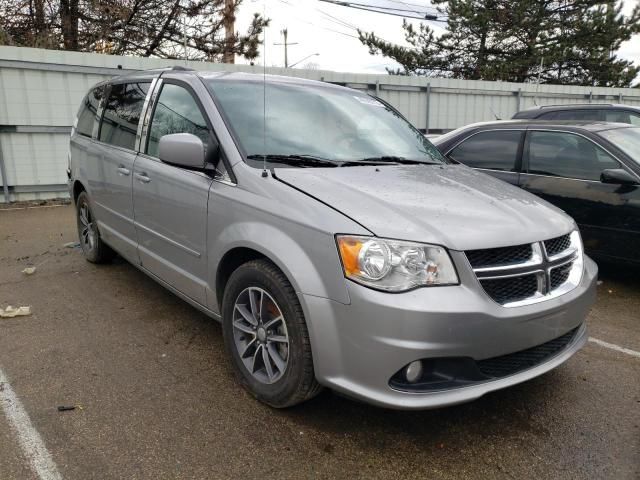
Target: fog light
(413, 372)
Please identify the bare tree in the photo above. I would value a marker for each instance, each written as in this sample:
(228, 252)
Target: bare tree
(131, 27)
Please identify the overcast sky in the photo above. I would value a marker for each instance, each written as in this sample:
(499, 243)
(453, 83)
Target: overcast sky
(329, 30)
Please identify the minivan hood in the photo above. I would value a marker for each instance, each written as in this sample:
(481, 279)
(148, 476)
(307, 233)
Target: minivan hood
(450, 205)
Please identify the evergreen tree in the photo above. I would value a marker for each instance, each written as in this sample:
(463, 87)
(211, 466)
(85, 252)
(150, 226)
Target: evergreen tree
(574, 40)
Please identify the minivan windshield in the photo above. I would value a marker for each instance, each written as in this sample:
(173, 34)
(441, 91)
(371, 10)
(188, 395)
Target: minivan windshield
(626, 139)
(316, 126)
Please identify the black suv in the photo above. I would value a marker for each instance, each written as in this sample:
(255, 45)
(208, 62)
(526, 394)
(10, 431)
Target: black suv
(606, 112)
(590, 170)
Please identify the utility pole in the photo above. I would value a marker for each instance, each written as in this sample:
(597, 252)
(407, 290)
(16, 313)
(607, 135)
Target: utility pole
(286, 44)
(229, 32)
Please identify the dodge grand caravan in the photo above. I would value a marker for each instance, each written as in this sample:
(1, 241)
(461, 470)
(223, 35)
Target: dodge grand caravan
(336, 245)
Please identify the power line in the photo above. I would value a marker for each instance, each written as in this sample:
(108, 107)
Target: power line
(385, 10)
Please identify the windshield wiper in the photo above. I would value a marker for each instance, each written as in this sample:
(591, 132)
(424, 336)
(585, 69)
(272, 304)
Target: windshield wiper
(301, 160)
(386, 159)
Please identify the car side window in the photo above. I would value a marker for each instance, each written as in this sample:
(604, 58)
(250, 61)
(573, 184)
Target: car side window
(122, 114)
(88, 112)
(494, 150)
(619, 116)
(634, 119)
(567, 155)
(586, 115)
(176, 111)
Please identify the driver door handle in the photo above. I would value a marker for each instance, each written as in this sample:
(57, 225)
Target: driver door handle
(122, 170)
(142, 177)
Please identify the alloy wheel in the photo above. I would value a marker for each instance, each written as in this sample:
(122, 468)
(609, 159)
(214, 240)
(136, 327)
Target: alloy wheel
(260, 335)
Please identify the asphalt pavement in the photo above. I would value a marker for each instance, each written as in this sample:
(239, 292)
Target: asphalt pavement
(155, 396)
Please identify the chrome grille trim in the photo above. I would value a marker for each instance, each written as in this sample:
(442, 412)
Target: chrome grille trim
(541, 265)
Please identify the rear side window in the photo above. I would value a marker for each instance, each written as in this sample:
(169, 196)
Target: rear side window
(586, 115)
(176, 112)
(562, 154)
(622, 116)
(495, 150)
(88, 112)
(122, 114)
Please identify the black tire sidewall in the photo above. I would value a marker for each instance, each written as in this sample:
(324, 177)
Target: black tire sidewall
(254, 274)
(83, 199)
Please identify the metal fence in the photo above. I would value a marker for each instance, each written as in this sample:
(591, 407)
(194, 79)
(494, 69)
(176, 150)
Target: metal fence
(40, 91)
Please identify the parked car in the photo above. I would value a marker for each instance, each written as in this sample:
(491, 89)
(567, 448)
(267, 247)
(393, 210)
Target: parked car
(605, 112)
(336, 244)
(590, 170)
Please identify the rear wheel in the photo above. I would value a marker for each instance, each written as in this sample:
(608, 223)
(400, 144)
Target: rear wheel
(266, 335)
(94, 249)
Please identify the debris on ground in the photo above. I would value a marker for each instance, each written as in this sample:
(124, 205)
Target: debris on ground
(69, 408)
(29, 270)
(600, 282)
(72, 245)
(11, 312)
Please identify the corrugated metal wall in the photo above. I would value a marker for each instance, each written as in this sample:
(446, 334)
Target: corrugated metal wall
(40, 91)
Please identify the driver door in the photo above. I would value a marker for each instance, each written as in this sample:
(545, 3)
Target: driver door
(564, 168)
(170, 202)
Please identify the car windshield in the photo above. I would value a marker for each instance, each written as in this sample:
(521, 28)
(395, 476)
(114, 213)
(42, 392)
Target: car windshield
(317, 126)
(626, 139)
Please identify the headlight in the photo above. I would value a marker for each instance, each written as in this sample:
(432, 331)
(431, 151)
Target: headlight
(393, 265)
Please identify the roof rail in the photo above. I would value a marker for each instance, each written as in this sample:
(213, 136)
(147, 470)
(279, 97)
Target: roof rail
(180, 67)
(575, 105)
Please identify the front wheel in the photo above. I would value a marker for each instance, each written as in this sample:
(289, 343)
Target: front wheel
(94, 249)
(266, 336)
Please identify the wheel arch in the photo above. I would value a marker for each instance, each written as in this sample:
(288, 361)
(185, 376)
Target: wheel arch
(311, 264)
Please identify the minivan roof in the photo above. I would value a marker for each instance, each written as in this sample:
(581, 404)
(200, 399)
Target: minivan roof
(533, 112)
(591, 125)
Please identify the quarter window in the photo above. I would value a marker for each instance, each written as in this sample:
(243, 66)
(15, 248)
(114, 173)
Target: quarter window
(88, 112)
(563, 154)
(495, 150)
(122, 114)
(176, 112)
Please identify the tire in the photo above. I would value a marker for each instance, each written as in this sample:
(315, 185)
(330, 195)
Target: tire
(288, 386)
(93, 247)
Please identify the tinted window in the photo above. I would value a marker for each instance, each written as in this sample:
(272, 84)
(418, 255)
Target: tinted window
(619, 116)
(497, 150)
(586, 115)
(88, 111)
(176, 112)
(561, 154)
(122, 114)
(622, 116)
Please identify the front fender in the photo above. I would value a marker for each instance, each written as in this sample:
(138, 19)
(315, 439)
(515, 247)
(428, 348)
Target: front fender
(307, 257)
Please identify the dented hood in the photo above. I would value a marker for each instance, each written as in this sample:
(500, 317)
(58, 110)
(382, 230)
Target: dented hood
(450, 205)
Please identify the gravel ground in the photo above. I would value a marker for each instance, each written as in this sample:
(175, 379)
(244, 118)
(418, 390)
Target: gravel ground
(158, 399)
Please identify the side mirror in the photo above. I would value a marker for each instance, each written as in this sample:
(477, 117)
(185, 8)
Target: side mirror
(182, 149)
(618, 176)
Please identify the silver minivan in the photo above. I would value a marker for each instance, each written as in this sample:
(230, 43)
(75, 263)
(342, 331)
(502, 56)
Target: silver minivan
(335, 244)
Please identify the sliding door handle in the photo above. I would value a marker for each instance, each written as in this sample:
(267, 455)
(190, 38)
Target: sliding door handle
(142, 177)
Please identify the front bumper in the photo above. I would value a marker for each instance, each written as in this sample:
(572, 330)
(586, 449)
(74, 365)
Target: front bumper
(357, 348)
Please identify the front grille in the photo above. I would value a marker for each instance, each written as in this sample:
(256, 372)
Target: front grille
(525, 274)
(490, 257)
(511, 289)
(559, 275)
(557, 245)
(518, 361)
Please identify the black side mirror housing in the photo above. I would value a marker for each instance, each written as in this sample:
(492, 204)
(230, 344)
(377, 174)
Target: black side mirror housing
(213, 152)
(618, 176)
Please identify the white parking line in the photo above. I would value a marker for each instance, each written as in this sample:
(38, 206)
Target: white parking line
(30, 441)
(615, 347)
